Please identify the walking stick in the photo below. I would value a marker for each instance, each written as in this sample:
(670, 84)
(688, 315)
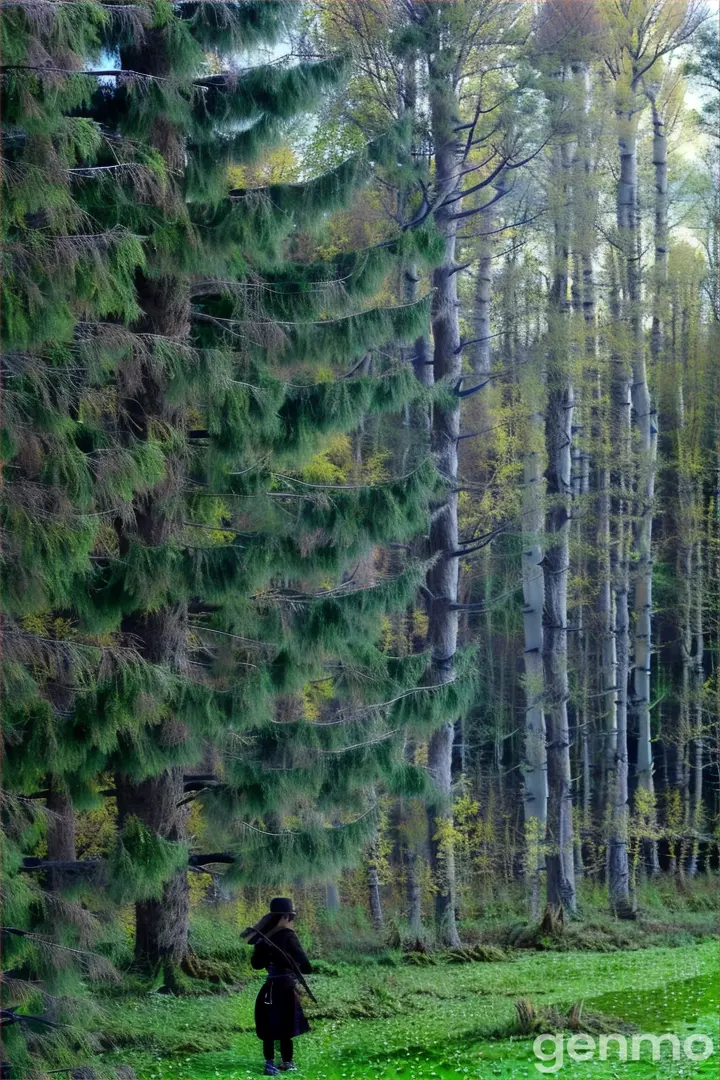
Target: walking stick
(296, 970)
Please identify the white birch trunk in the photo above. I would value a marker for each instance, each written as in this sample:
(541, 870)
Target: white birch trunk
(604, 606)
(443, 577)
(559, 855)
(584, 200)
(560, 841)
(645, 443)
(480, 353)
(620, 433)
(661, 231)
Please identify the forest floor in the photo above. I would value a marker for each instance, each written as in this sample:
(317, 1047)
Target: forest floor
(387, 1020)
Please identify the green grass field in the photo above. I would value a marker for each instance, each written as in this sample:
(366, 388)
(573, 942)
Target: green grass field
(386, 1020)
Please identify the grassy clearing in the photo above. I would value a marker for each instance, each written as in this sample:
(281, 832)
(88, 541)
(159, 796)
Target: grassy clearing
(391, 1021)
(386, 1015)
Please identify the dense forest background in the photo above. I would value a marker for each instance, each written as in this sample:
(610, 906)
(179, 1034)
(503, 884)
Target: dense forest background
(360, 523)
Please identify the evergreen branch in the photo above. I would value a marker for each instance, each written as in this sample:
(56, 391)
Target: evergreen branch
(354, 487)
(333, 322)
(249, 642)
(334, 827)
(356, 712)
(94, 964)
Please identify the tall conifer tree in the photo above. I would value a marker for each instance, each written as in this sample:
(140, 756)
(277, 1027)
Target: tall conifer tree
(225, 580)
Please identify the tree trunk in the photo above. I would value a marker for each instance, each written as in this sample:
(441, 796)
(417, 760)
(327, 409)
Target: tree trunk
(535, 768)
(443, 577)
(414, 896)
(620, 437)
(480, 353)
(161, 925)
(618, 862)
(602, 617)
(607, 667)
(440, 828)
(61, 813)
(661, 232)
(584, 201)
(161, 635)
(643, 593)
(421, 358)
(696, 704)
(421, 354)
(373, 880)
(645, 421)
(559, 855)
(657, 348)
(558, 441)
(60, 832)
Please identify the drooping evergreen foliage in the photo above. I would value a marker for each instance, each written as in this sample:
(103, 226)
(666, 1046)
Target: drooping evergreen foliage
(181, 595)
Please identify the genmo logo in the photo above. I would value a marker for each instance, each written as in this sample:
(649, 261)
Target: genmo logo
(552, 1050)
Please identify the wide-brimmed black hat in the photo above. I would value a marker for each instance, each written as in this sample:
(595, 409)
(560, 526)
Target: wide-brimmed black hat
(282, 905)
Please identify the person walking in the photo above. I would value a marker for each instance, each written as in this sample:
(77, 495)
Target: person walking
(279, 1015)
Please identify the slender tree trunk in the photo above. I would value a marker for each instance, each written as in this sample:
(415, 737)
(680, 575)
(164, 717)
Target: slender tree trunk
(535, 767)
(645, 421)
(374, 897)
(421, 354)
(373, 880)
(584, 303)
(686, 574)
(560, 842)
(61, 826)
(698, 678)
(558, 441)
(413, 891)
(607, 667)
(657, 337)
(620, 430)
(480, 353)
(414, 896)
(443, 577)
(658, 354)
(421, 420)
(603, 615)
(618, 862)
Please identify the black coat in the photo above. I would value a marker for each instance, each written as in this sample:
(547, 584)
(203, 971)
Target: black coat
(278, 1012)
